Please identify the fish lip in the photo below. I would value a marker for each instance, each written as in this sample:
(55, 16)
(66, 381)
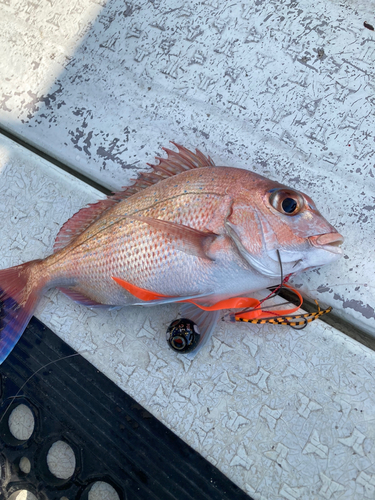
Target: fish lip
(327, 241)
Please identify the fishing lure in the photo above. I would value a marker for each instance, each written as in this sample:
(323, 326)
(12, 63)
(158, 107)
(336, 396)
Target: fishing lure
(184, 336)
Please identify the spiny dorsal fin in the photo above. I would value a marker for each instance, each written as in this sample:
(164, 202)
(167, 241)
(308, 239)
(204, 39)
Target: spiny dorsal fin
(175, 163)
(80, 221)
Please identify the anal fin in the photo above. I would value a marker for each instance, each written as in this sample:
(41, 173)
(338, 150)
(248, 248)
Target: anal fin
(80, 298)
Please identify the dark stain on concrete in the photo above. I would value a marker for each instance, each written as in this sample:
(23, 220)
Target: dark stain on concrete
(357, 305)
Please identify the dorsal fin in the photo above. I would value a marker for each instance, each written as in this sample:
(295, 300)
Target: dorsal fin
(175, 163)
(79, 222)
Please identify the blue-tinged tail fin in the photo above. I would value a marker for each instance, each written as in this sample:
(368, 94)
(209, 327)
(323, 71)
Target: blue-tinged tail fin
(19, 296)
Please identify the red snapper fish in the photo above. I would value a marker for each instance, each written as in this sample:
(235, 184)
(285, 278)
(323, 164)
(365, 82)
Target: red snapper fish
(186, 231)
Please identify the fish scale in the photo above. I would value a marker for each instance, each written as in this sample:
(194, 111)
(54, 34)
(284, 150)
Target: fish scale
(187, 229)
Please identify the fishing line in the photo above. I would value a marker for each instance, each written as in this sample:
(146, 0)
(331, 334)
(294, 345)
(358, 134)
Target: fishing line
(17, 395)
(295, 327)
(275, 290)
(281, 273)
(13, 398)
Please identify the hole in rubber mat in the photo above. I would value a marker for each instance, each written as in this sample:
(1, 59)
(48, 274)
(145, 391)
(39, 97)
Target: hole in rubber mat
(113, 449)
(25, 465)
(21, 423)
(22, 495)
(102, 491)
(61, 460)
(18, 420)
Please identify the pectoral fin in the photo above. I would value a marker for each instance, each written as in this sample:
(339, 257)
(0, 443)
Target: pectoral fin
(188, 240)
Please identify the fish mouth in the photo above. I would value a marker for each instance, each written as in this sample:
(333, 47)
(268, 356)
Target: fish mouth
(328, 241)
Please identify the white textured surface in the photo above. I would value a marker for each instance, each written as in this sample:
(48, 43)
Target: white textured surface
(286, 89)
(284, 413)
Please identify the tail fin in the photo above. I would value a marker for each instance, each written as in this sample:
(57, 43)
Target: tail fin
(19, 296)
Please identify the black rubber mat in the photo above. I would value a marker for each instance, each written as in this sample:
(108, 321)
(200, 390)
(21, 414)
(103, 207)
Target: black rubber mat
(114, 439)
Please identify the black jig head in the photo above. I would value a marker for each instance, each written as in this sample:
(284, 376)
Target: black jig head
(183, 335)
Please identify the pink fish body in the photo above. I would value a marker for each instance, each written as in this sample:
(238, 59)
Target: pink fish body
(187, 230)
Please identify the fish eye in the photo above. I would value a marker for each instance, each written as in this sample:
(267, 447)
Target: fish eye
(286, 201)
(289, 205)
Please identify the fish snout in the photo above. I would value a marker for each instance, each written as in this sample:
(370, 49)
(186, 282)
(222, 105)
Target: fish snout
(328, 241)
